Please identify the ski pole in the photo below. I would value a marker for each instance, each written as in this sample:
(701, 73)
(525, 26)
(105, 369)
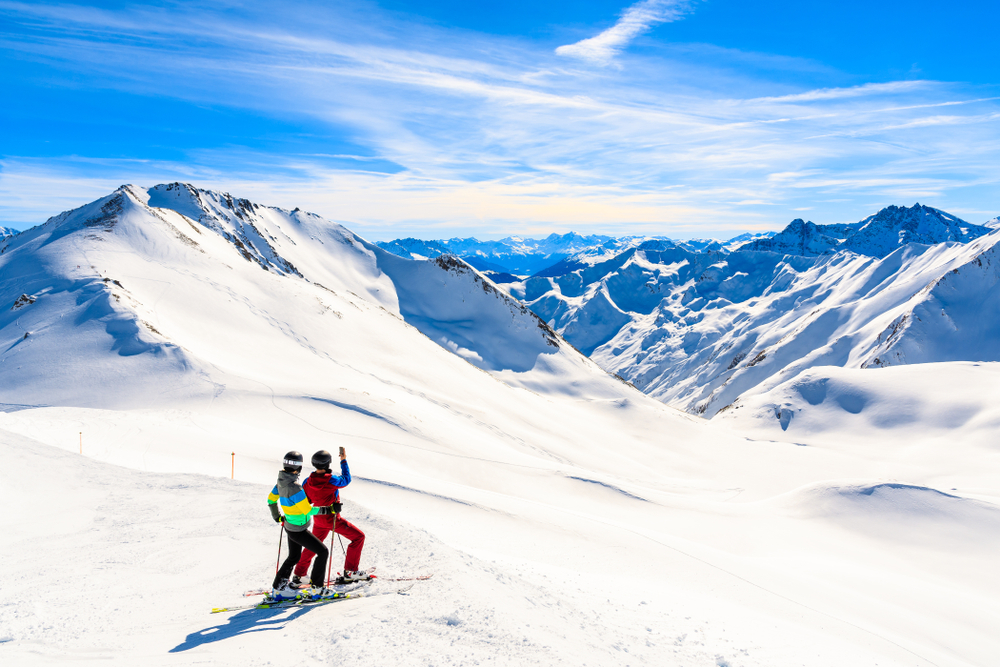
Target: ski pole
(280, 536)
(329, 565)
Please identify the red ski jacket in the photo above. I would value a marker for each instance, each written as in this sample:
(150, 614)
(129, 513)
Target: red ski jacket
(323, 489)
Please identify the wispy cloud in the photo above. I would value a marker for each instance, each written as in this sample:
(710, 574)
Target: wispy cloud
(634, 21)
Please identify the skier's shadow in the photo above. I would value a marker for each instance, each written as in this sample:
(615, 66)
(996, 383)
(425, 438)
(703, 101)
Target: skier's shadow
(252, 620)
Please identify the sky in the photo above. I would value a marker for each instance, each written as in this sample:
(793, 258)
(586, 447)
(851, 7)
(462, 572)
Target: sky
(683, 118)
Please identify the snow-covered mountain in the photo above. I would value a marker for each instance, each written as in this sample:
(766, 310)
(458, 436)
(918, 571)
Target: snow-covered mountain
(698, 330)
(806, 239)
(135, 278)
(875, 236)
(158, 341)
(7, 231)
(896, 226)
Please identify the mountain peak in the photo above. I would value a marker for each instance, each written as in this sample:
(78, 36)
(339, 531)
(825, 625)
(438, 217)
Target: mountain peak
(895, 226)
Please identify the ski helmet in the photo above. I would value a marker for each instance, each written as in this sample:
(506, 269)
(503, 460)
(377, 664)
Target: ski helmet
(321, 460)
(293, 462)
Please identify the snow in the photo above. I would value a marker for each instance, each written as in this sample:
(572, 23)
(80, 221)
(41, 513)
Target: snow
(567, 517)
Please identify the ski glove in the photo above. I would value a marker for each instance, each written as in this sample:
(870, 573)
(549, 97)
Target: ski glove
(275, 514)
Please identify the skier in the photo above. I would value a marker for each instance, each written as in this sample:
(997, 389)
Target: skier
(323, 490)
(296, 519)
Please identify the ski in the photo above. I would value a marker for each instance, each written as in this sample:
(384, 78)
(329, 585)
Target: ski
(340, 589)
(304, 601)
(330, 584)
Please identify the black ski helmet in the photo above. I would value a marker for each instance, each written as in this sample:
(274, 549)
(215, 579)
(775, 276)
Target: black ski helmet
(293, 462)
(321, 460)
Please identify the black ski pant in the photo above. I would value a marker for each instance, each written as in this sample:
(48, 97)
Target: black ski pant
(296, 540)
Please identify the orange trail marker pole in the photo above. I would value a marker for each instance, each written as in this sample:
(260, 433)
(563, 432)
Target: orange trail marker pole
(232, 475)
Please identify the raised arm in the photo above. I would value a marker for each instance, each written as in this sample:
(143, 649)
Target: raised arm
(344, 478)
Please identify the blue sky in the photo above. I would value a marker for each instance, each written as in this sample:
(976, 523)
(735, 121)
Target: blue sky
(441, 119)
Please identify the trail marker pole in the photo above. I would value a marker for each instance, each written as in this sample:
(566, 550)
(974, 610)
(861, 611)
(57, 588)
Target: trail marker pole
(232, 475)
(81, 442)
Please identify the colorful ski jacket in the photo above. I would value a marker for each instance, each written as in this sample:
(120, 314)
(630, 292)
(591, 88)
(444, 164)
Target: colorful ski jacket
(294, 503)
(323, 488)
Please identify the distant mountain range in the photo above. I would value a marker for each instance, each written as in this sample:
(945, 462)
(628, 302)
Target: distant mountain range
(525, 257)
(700, 329)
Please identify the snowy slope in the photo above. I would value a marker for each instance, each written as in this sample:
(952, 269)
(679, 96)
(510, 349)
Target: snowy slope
(524, 477)
(924, 405)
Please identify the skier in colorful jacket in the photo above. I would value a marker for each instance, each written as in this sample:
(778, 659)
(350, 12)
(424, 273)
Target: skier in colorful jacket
(322, 488)
(295, 514)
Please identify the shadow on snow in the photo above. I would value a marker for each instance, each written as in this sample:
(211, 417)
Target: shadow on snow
(245, 622)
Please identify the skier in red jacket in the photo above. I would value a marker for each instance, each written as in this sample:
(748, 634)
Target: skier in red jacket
(323, 490)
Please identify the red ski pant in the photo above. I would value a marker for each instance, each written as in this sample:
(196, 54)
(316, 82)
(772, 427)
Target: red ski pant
(321, 528)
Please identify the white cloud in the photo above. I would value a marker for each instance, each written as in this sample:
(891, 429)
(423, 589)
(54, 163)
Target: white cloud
(634, 21)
